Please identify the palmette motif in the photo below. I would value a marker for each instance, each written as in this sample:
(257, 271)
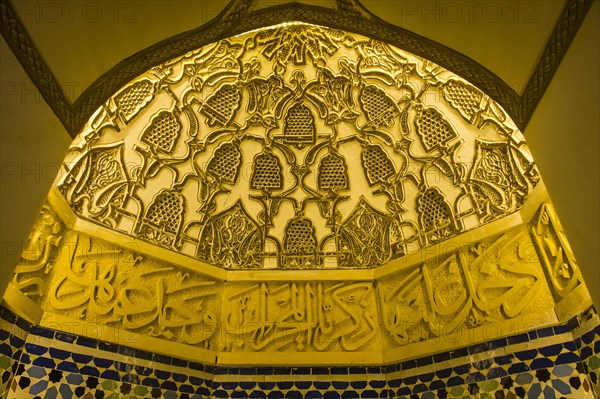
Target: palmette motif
(292, 142)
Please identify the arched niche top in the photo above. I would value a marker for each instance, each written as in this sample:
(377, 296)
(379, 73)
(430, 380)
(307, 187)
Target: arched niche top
(241, 16)
(297, 146)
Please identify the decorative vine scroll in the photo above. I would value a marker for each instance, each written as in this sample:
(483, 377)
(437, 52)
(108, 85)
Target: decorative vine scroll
(297, 146)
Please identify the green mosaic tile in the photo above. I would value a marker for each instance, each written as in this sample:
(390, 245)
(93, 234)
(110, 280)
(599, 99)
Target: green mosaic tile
(594, 362)
(140, 390)
(489, 385)
(109, 385)
(457, 391)
(5, 362)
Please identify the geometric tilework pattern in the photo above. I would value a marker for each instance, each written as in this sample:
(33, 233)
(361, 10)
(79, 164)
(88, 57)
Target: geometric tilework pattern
(552, 362)
(13, 331)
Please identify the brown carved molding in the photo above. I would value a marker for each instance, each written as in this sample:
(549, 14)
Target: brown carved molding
(21, 44)
(238, 17)
(556, 47)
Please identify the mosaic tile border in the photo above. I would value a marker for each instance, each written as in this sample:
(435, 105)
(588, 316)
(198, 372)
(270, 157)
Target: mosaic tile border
(548, 362)
(587, 339)
(13, 332)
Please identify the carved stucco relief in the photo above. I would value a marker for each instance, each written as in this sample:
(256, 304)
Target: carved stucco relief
(301, 316)
(488, 283)
(297, 147)
(495, 282)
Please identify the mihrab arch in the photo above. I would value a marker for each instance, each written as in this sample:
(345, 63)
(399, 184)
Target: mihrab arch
(301, 196)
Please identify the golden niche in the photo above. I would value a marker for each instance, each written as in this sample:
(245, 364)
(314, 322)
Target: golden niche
(321, 139)
(299, 189)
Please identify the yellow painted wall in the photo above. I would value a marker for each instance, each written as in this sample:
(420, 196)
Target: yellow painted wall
(564, 138)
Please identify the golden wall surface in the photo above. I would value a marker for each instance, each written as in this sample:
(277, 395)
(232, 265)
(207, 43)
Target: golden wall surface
(298, 196)
(294, 190)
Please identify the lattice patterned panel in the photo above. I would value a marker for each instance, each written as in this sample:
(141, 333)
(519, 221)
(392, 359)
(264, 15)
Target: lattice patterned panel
(336, 118)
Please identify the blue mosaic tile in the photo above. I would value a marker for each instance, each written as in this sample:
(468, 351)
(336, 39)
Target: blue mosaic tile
(569, 357)
(561, 329)
(87, 342)
(436, 385)
(124, 367)
(518, 368)
(545, 332)
(425, 361)
(162, 359)
(586, 352)
(456, 380)
(377, 383)
(426, 377)
(59, 354)
(81, 358)
(24, 359)
(427, 385)
(526, 355)
(312, 395)
(168, 385)
(177, 362)
(353, 384)
(161, 374)
(192, 365)
(444, 373)
(6, 349)
(68, 366)
(319, 370)
(458, 353)
(110, 375)
(87, 370)
(151, 382)
(551, 350)
(186, 388)
(418, 388)
(42, 332)
(518, 339)
(570, 345)
(35, 349)
(339, 370)
(462, 369)
(44, 362)
(411, 380)
(410, 364)
(178, 377)
(336, 384)
(102, 363)
(441, 357)
(541, 362)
